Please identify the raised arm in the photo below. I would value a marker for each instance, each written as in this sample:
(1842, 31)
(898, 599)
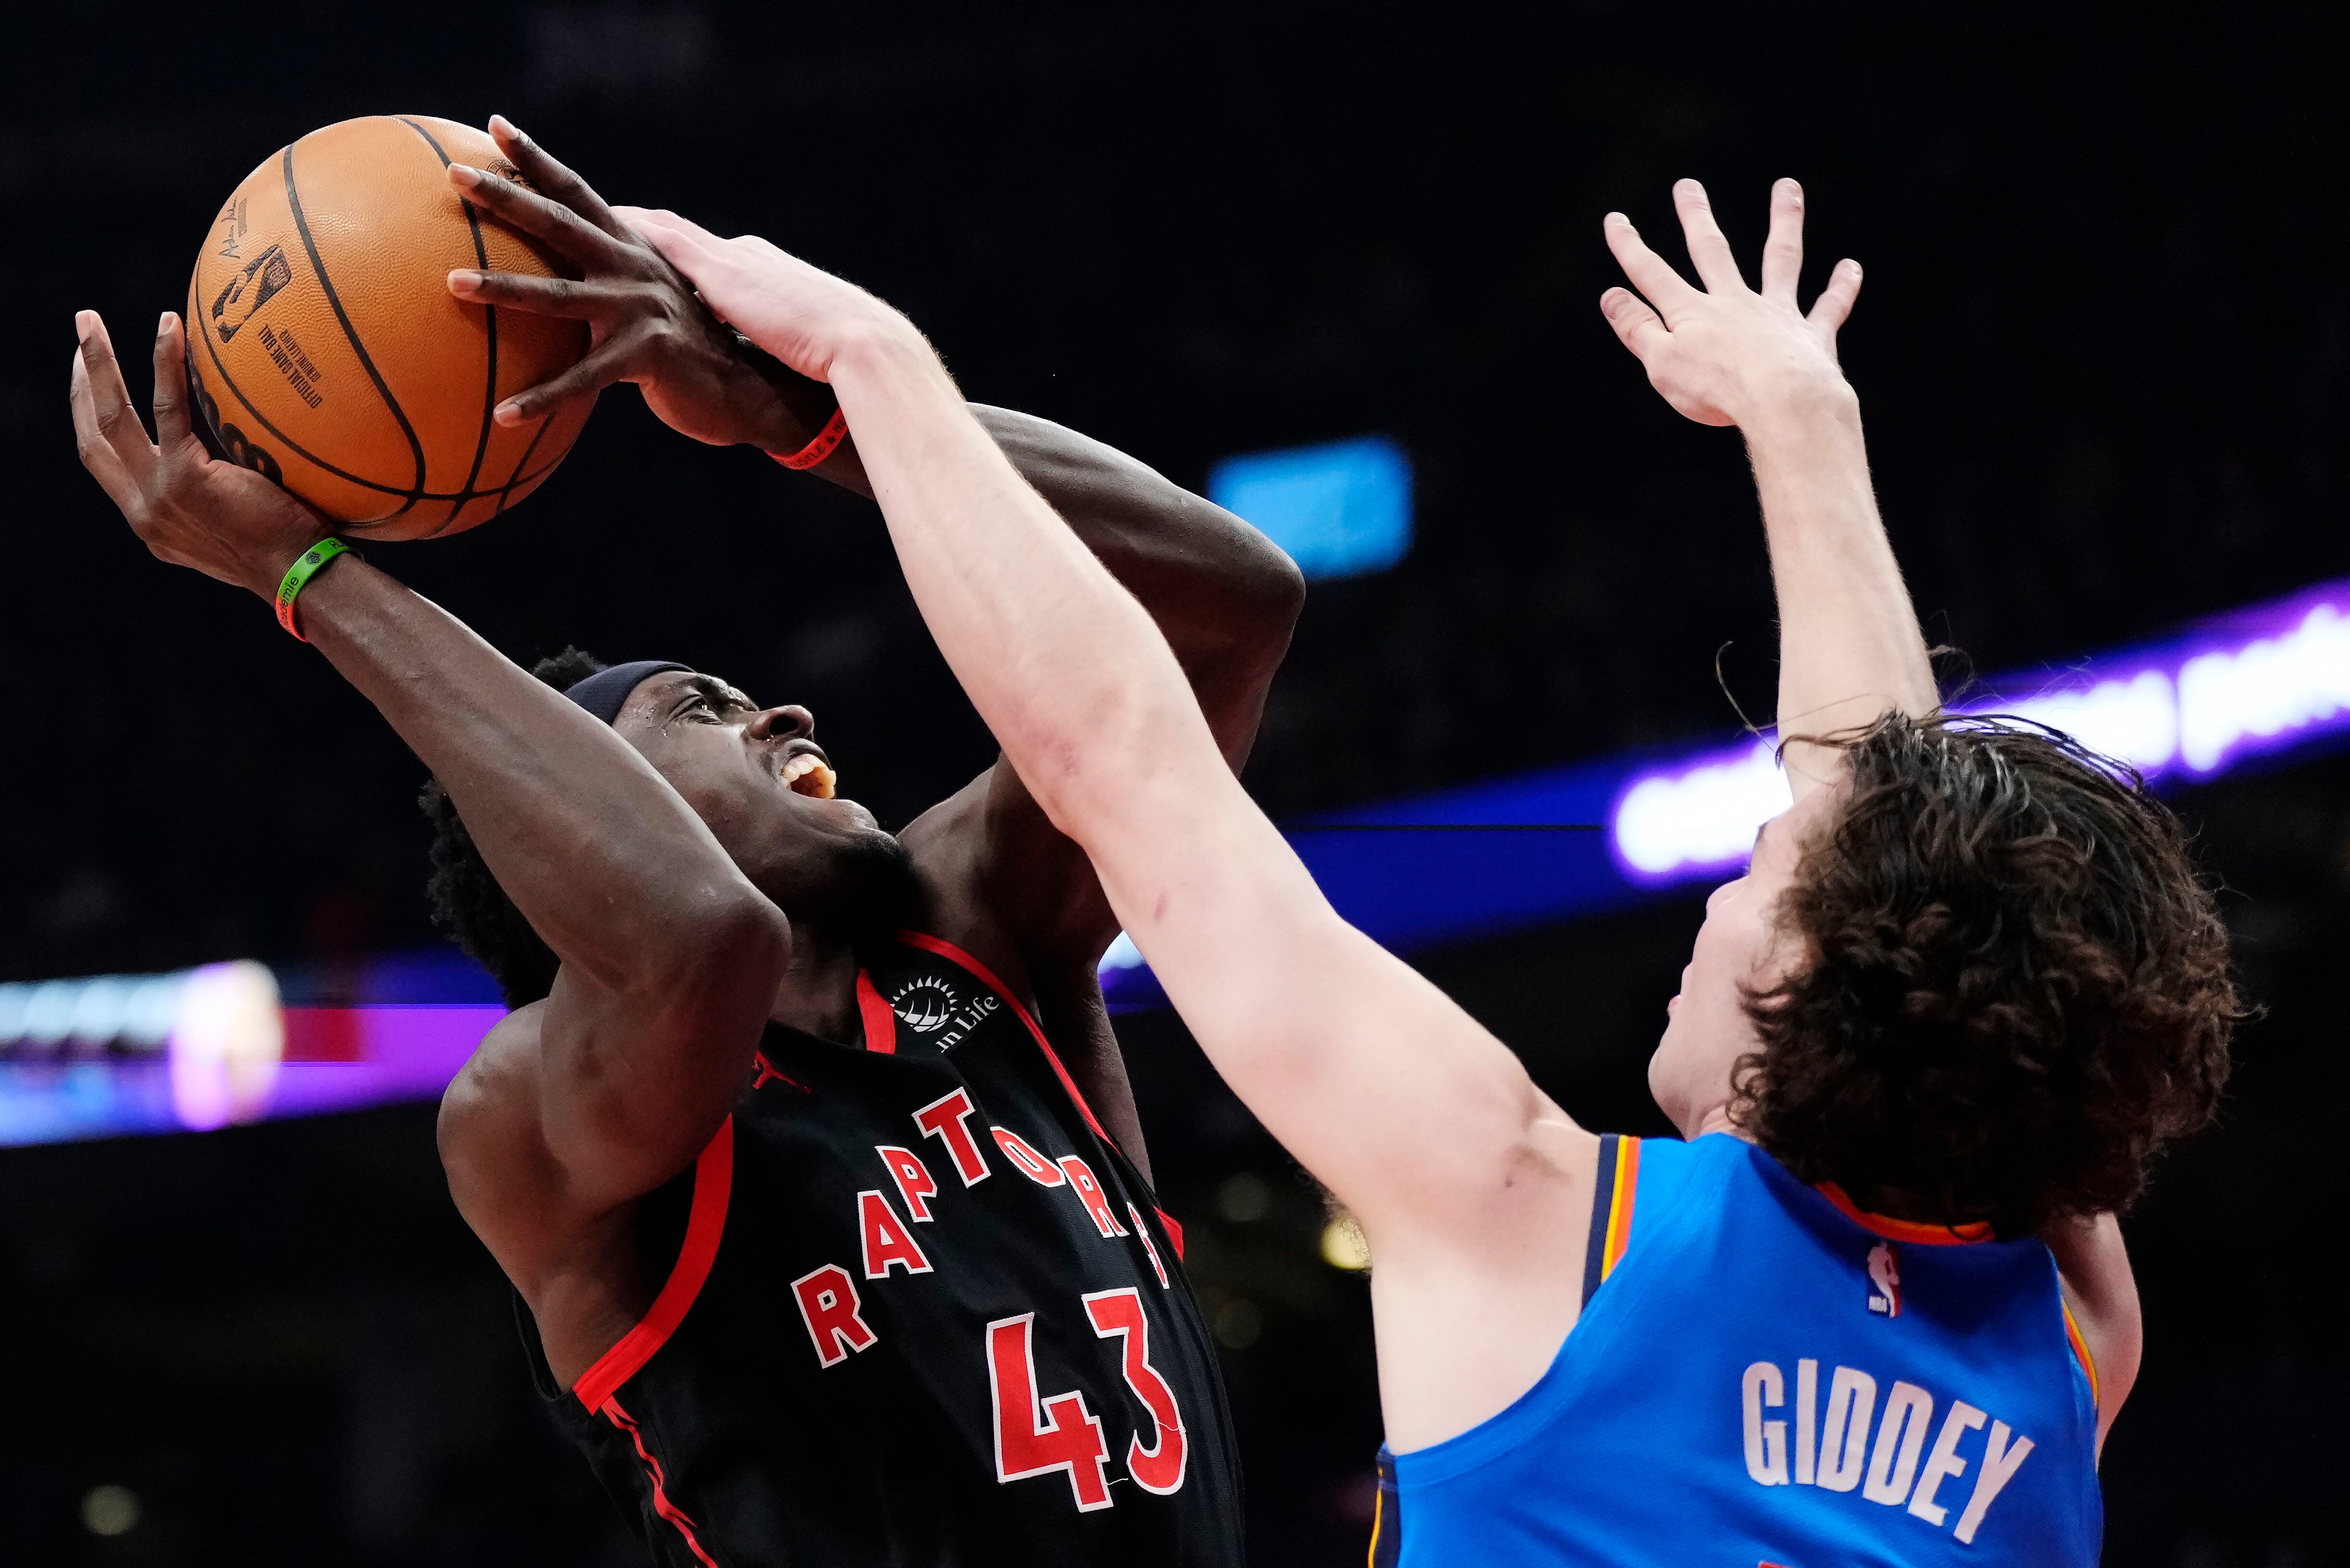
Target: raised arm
(1013, 886)
(670, 959)
(1849, 645)
(1850, 648)
(1225, 598)
(1471, 1183)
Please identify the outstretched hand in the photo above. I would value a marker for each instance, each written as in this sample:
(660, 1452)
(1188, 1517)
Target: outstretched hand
(644, 324)
(802, 314)
(187, 506)
(1725, 353)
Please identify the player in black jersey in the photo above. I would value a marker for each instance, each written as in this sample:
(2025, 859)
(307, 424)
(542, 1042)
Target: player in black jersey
(808, 1147)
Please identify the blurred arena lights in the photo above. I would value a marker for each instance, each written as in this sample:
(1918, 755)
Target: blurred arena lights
(1340, 510)
(197, 1049)
(206, 1048)
(2257, 683)
(130, 1053)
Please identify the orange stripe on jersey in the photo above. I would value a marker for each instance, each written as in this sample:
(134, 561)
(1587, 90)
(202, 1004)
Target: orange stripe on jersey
(1619, 1206)
(1906, 1229)
(2081, 1349)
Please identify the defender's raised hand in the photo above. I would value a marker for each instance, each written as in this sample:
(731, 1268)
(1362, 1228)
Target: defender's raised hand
(185, 505)
(1722, 353)
(801, 314)
(644, 323)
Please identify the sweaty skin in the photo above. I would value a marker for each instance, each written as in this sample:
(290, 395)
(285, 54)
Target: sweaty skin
(1473, 1187)
(691, 891)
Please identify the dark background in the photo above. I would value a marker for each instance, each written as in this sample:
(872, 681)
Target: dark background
(2103, 351)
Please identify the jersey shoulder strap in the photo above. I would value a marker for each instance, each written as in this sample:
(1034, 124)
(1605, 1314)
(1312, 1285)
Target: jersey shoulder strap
(1387, 1516)
(1641, 1181)
(1614, 1197)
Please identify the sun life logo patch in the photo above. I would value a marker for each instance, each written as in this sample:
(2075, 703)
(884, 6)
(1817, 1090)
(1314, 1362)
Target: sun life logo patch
(1885, 1281)
(924, 1004)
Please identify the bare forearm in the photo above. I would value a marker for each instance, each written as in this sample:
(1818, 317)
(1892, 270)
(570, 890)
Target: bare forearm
(602, 858)
(1224, 596)
(1849, 645)
(1220, 591)
(1060, 664)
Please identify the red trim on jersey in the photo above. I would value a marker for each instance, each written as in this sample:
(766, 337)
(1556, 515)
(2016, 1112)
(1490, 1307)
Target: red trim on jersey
(1174, 1231)
(947, 949)
(662, 1504)
(1894, 1230)
(714, 1177)
(881, 1024)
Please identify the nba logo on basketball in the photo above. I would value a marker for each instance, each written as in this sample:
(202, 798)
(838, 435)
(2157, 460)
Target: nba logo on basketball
(1885, 1281)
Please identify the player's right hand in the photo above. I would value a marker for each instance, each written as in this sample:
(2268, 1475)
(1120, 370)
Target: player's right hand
(187, 506)
(1726, 353)
(644, 324)
(801, 314)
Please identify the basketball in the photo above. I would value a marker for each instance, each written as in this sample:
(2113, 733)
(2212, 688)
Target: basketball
(326, 352)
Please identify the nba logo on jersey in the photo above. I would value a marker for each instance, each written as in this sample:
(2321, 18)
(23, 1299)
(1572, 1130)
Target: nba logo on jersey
(1885, 1280)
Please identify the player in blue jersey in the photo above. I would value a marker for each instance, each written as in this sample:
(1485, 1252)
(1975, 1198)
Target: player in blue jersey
(1873, 1308)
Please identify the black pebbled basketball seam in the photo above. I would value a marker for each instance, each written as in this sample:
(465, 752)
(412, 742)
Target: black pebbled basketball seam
(310, 248)
(204, 331)
(490, 315)
(506, 492)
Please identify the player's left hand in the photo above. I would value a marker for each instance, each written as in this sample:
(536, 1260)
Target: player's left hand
(187, 506)
(645, 324)
(1726, 353)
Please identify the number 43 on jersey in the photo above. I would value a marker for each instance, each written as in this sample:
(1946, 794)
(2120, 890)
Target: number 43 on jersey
(1036, 1436)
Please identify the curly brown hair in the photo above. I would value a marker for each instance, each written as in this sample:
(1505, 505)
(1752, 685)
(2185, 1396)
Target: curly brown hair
(2015, 989)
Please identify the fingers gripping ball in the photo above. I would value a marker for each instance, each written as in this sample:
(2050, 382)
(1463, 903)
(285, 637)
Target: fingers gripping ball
(326, 352)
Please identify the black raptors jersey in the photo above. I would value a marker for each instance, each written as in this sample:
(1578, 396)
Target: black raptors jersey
(924, 1314)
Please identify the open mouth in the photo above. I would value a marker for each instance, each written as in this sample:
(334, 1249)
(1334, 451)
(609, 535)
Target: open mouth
(810, 774)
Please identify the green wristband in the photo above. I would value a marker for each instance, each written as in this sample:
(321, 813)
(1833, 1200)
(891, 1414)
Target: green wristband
(307, 564)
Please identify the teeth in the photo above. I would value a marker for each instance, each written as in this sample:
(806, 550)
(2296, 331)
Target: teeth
(820, 778)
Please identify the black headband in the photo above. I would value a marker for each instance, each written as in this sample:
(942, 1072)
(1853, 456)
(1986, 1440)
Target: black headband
(606, 691)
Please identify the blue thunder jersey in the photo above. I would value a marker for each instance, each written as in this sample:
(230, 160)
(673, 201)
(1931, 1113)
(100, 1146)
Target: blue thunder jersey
(1771, 1376)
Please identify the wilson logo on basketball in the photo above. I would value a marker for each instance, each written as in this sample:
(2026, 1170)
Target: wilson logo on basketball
(924, 1004)
(249, 290)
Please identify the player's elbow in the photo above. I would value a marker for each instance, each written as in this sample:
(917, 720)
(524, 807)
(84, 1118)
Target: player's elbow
(1281, 589)
(722, 952)
(1268, 589)
(1261, 594)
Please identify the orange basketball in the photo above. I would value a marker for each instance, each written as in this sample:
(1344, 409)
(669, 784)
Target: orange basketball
(327, 351)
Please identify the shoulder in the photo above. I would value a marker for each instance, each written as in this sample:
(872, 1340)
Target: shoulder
(1638, 1185)
(956, 897)
(497, 1085)
(494, 1150)
(1663, 1173)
